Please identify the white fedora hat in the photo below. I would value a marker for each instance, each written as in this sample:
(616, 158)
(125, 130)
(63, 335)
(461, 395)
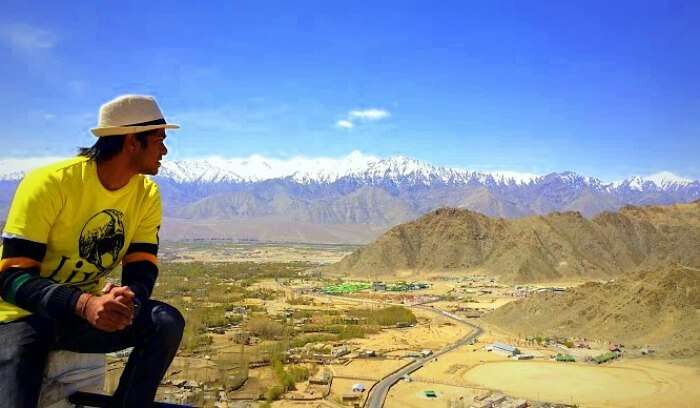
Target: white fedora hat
(130, 114)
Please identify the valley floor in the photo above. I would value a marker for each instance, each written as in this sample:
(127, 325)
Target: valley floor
(470, 371)
(296, 301)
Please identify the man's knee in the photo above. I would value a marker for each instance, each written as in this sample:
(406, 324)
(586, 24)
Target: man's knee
(169, 323)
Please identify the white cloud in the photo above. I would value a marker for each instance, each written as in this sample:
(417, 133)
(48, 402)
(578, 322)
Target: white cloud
(362, 116)
(345, 124)
(369, 114)
(26, 38)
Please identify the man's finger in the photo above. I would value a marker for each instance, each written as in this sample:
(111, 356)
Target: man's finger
(108, 286)
(115, 323)
(118, 308)
(124, 299)
(125, 291)
(126, 302)
(120, 314)
(115, 320)
(108, 324)
(108, 329)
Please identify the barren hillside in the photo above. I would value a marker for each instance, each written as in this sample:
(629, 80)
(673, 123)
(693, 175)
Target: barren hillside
(552, 247)
(657, 307)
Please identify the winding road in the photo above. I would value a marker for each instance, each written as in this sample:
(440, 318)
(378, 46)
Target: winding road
(379, 392)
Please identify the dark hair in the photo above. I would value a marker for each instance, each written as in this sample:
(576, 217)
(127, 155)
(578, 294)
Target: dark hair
(107, 147)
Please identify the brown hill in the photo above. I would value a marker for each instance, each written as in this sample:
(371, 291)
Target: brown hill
(658, 307)
(540, 248)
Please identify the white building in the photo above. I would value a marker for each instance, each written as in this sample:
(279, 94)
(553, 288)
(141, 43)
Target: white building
(340, 351)
(503, 348)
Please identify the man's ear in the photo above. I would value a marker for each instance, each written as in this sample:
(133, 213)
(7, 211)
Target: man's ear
(130, 143)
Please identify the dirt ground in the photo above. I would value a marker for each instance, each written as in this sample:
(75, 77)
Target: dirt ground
(641, 382)
(630, 383)
(343, 386)
(434, 334)
(368, 368)
(437, 287)
(410, 395)
(490, 304)
(626, 383)
(450, 367)
(305, 404)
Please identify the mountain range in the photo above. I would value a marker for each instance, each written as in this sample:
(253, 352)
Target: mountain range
(554, 247)
(359, 196)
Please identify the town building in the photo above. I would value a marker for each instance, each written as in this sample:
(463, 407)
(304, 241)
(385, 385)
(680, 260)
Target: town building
(378, 286)
(339, 351)
(358, 387)
(502, 348)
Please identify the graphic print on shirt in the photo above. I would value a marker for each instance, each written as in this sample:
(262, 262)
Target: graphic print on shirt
(102, 239)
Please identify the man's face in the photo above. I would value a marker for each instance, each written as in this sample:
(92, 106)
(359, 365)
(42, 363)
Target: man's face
(149, 156)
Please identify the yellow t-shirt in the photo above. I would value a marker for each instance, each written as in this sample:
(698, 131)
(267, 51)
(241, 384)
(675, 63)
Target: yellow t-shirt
(86, 228)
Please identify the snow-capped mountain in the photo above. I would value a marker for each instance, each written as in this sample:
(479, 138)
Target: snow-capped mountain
(363, 190)
(259, 168)
(366, 169)
(357, 166)
(661, 181)
(398, 170)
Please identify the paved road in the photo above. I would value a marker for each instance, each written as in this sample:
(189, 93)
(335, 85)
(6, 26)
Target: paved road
(381, 389)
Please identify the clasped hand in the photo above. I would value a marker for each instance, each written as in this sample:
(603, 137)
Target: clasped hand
(113, 310)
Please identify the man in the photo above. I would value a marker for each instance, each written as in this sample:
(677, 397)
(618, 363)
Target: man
(69, 225)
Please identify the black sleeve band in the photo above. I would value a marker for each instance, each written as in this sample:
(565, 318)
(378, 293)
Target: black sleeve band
(24, 287)
(141, 277)
(139, 247)
(17, 247)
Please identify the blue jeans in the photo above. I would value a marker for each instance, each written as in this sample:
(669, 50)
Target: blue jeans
(25, 343)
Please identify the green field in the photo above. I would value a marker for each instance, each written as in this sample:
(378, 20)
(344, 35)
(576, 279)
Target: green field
(345, 288)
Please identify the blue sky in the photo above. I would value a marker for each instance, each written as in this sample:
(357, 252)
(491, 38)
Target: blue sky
(607, 89)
